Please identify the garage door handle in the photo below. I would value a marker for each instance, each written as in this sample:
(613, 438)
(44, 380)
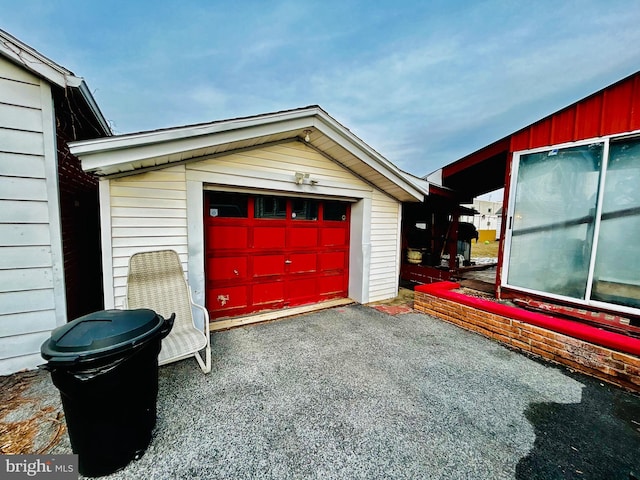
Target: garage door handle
(288, 262)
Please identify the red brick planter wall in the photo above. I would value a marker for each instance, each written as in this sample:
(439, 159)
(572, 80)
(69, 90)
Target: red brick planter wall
(619, 368)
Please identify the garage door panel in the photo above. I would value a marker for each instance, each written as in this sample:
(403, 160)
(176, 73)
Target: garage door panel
(225, 298)
(227, 268)
(265, 293)
(303, 262)
(225, 237)
(269, 237)
(333, 261)
(303, 237)
(333, 237)
(302, 289)
(332, 284)
(265, 265)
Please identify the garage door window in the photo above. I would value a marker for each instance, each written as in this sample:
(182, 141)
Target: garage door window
(335, 211)
(303, 209)
(228, 205)
(271, 207)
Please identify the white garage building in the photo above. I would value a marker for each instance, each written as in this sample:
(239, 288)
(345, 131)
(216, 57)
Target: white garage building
(268, 213)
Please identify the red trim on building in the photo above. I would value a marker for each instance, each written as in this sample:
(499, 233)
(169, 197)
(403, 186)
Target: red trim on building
(615, 341)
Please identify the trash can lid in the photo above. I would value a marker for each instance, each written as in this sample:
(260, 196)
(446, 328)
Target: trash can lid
(100, 334)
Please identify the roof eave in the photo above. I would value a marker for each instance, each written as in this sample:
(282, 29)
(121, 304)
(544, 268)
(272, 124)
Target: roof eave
(100, 155)
(43, 67)
(32, 60)
(83, 88)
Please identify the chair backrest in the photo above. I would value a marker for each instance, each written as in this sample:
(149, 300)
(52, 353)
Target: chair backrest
(156, 281)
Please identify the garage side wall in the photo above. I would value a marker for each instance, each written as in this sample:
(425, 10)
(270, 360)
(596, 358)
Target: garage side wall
(147, 212)
(32, 298)
(385, 247)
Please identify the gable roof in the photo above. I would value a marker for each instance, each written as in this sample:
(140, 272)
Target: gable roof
(41, 66)
(128, 154)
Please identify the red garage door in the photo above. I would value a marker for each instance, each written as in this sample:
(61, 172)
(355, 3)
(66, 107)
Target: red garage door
(268, 252)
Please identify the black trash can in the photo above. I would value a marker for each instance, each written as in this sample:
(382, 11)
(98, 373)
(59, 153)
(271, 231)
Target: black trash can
(105, 366)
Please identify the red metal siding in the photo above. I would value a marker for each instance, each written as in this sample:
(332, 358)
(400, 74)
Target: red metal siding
(519, 141)
(617, 107)
(612, 110)
(634, 114)
(588, 115)
(563, 126)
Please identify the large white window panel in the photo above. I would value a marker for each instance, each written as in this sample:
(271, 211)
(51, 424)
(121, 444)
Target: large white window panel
(553, 220)
(617, 268)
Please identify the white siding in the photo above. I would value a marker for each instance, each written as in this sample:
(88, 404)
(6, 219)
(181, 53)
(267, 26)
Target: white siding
(385, 247)
(147, 212)
(31, 283)
(274, 168)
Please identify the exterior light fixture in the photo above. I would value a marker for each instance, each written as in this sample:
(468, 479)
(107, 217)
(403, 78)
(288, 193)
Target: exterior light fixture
(307, 136)
(301, 177)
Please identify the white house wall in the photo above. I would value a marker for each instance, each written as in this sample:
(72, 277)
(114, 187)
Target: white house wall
(149, 211)
(32, 298)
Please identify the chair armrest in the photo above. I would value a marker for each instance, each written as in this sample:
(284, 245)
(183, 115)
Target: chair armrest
(206, 317)
(204, 312)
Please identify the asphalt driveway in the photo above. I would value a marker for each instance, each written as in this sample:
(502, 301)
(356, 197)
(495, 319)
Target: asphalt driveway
(355, 393)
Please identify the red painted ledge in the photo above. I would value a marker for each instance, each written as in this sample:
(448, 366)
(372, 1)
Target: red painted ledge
(588, 333)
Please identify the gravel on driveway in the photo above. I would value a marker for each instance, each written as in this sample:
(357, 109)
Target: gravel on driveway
(353, 392)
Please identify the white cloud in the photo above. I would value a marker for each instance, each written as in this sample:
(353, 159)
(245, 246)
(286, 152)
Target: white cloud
(208, 97)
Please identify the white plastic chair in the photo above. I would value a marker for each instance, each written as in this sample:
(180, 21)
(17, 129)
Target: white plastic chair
(156, 280)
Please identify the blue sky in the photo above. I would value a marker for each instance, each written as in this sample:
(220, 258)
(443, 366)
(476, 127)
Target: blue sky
(422, 82)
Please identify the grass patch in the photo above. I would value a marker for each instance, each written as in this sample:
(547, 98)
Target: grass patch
(489, 250)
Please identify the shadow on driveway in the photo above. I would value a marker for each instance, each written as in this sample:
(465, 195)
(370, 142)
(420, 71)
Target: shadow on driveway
(596, 438)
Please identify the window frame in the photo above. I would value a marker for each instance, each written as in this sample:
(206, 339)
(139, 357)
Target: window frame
(508, 236)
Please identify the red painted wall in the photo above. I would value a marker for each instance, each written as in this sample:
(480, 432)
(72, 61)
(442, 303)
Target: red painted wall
(615, 109)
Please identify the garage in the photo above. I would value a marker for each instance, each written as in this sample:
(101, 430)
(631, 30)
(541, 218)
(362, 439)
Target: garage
(267, 252)
(270, 215)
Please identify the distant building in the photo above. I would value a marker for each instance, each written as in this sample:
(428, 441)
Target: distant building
(487, 221)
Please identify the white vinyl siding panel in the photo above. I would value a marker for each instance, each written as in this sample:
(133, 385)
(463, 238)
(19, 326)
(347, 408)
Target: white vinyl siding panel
(26, 119)
(31, 285)
(18, 93)
(15, 188)
(274, 167)
(26, 166)
(24, 257)
(148, 212)
(16, 141)
(385, 247)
